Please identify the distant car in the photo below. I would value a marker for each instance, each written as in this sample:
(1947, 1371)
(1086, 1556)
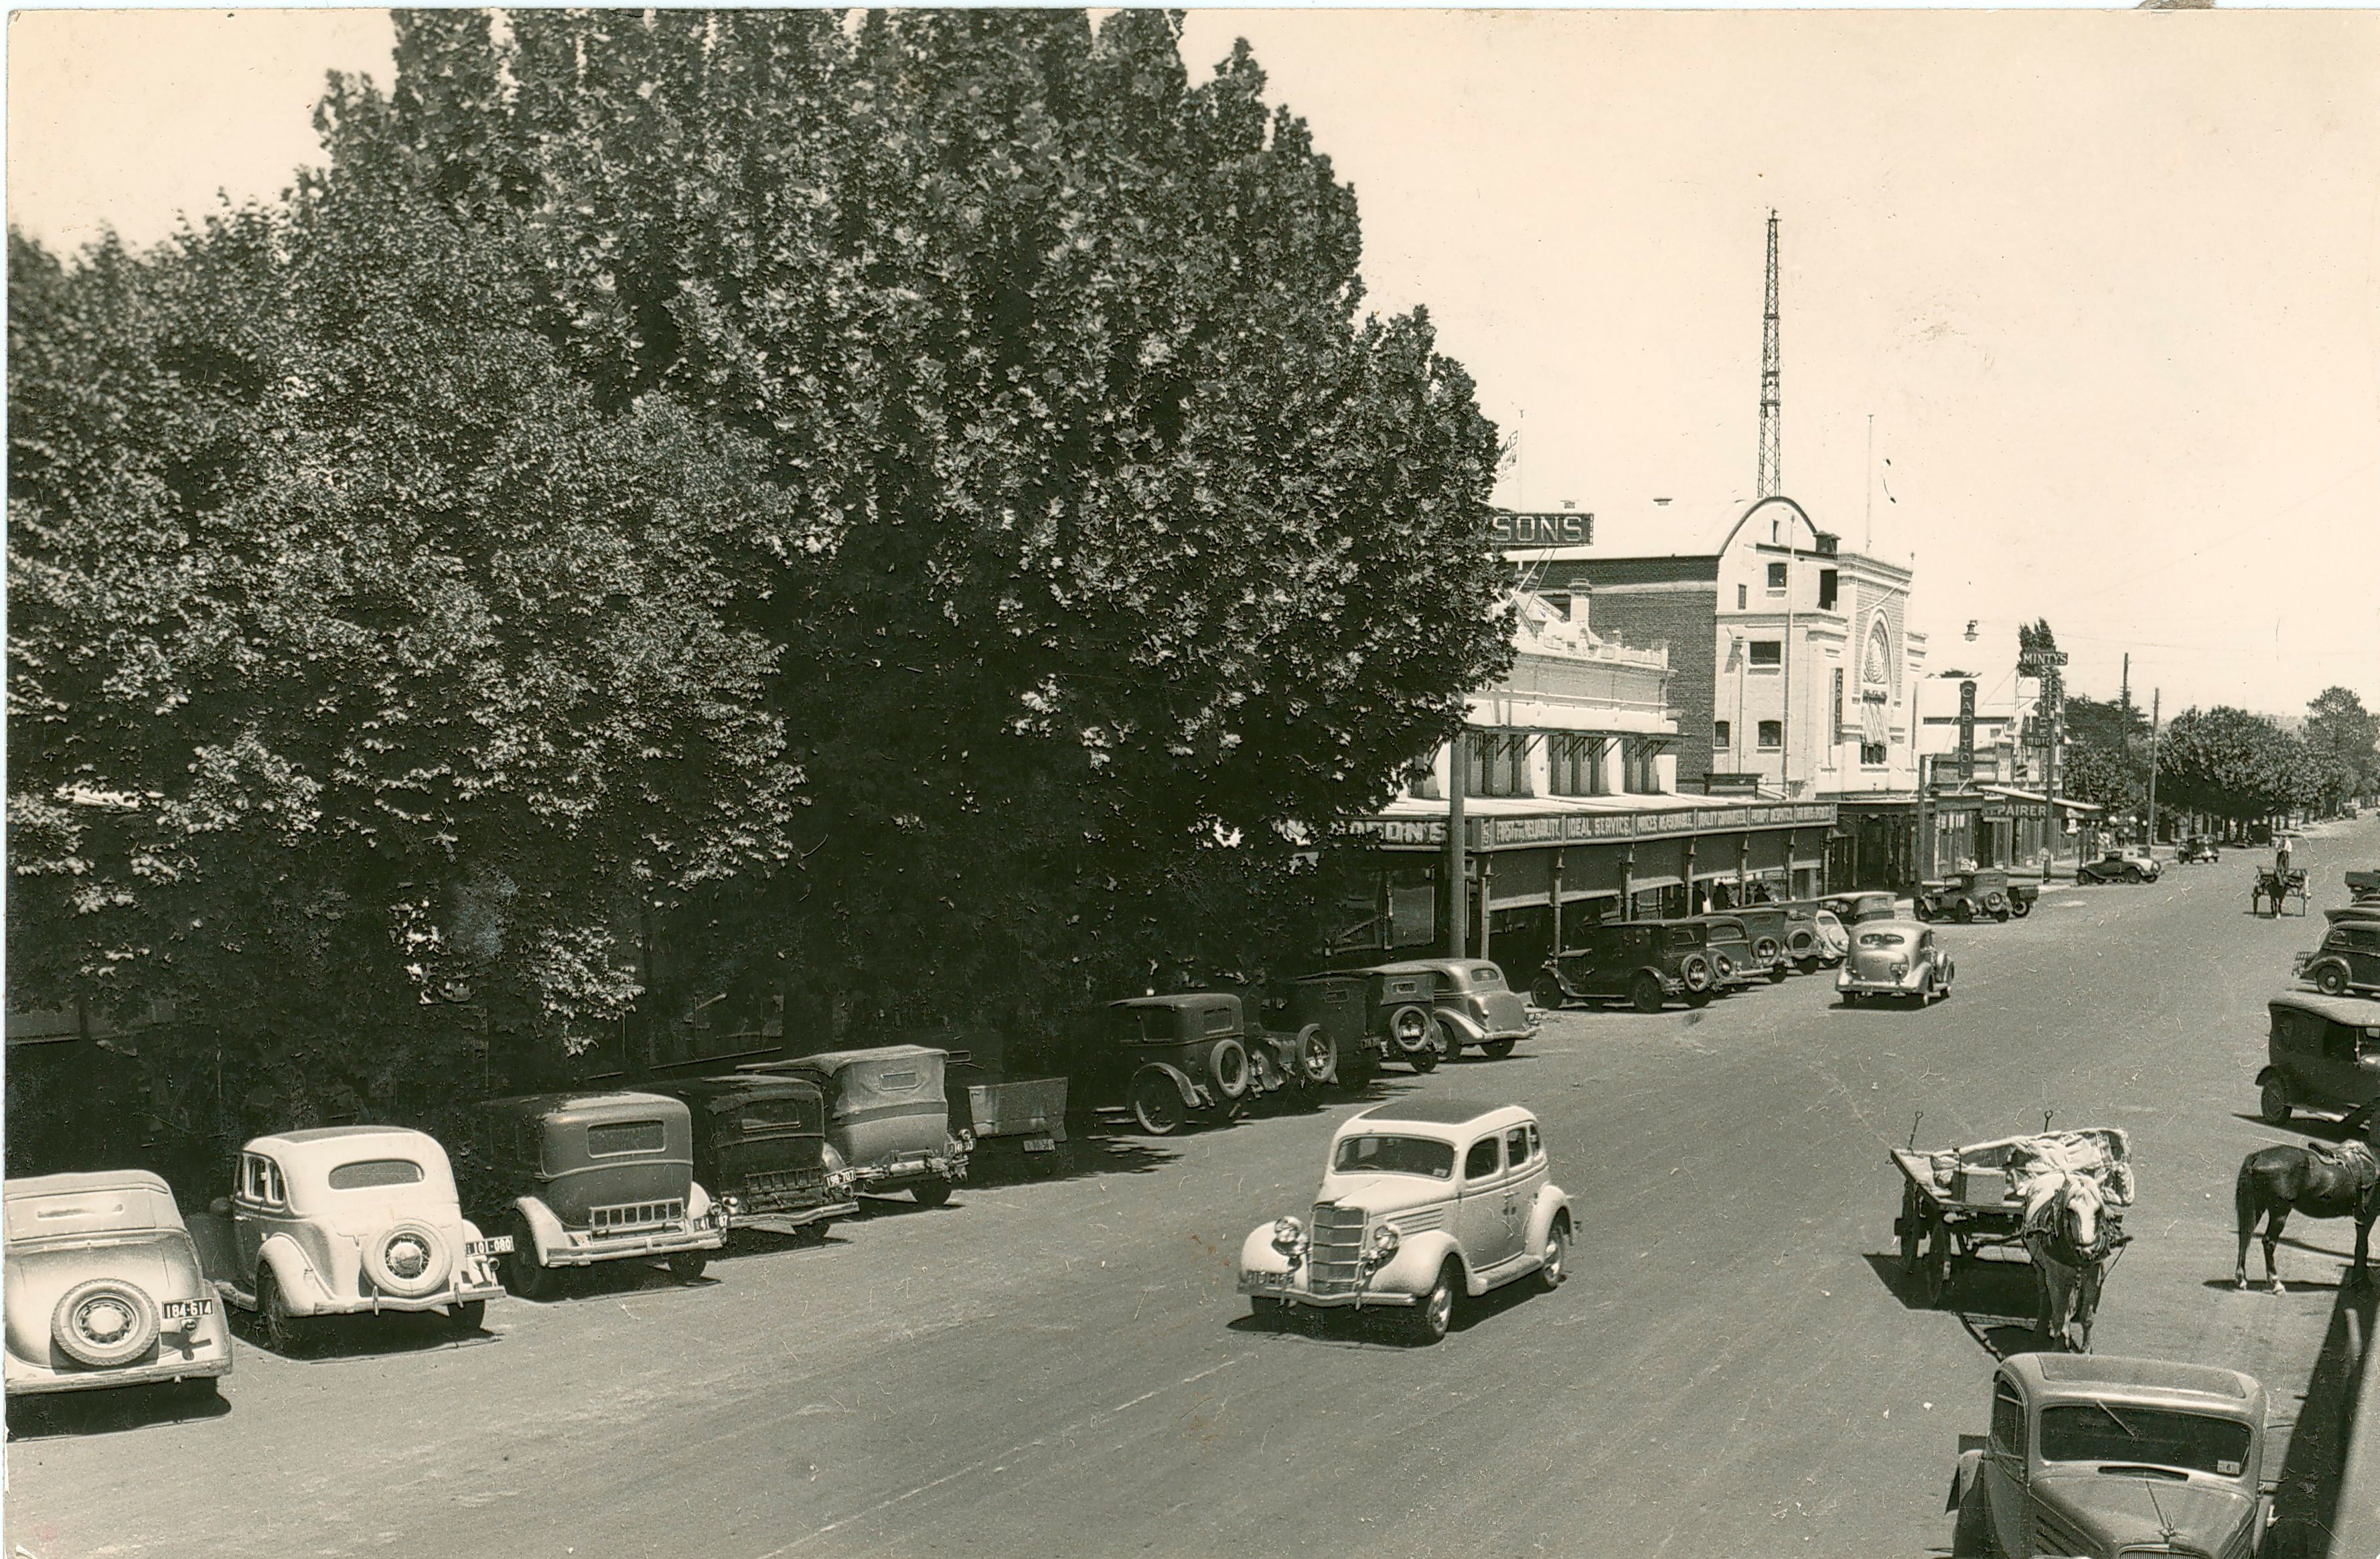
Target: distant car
(2198, 848)
(1422, 1203)
(346, 1219)
(1644, 962)
(889, 1115)
(2089, 1454)
(1895, 959)
(1737, 957)
(1852, 908)
(104, 1287)
(1834, 938)
(2322, 1053)
(582, 1179)
(2119, 866)
(1472, 1004)
(760, 1151)
(1966, 896)
(1787, 933)
(2348, 958)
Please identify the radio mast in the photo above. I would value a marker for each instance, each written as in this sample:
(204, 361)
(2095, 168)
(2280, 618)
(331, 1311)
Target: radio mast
(1770, 438)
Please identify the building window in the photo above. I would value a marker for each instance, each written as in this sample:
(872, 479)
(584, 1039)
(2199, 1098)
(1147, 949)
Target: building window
(1872, 754)
(1742, 597)
(1768, 652)
(1772, 735)
(1722, 735)
(1575, 765)
(1497, 763)
(1640, 768)
(1828, 580)
(1775, 575)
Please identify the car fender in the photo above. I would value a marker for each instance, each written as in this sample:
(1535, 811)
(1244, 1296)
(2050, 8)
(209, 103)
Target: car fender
(1415, 1266)
(302, 1289)
(545, 1230)
(1552, 1202)
(697, 1201)
(2271, 1075)
(1181, 1080)
(1466, 1028)
(1962, 1478)
(1259, 1254)
(218, 1252)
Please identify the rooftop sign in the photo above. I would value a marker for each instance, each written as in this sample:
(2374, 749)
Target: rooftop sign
(1562, 528)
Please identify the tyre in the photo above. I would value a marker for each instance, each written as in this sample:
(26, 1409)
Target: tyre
(1912, 1232)
(1227, 1064)
(933, 1193)
(1496, 1050)
(2002, 914)
(2021, 907)
(1937, 1266)
(1157, 1104)
(686, 1265)
(103, 1322)
(1426, 1058)
(285, 1332)
(2274, 1103)
(1776, 973)
(409, 1259)
(522, 1271)
(1427, 1322)
(467, 1315)
(200, 1393)
(1644, 993)
(1317, 1055)
(1698, 999)
(1807, 966)
(2330, 979)
(1412, 1029)
(1766, 951)
(1547, 992)
(1550, 1262)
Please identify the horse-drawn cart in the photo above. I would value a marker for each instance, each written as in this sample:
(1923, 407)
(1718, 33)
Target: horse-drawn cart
(2276, 888)
(2041, 1195)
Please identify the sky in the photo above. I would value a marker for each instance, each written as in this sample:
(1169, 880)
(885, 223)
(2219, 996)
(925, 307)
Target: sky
(2106, 284)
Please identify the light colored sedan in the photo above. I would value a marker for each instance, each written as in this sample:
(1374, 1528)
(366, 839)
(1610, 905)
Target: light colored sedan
(1895, 959)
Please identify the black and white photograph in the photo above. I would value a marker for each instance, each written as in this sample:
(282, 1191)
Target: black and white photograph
(809, 784)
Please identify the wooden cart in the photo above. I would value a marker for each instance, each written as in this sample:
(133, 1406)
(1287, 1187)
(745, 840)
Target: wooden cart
(1937, 1227)
(2277, 888)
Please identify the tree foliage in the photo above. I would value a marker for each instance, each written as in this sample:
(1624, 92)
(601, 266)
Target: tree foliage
(2231, 764)
(686, 498)
(2343, 739)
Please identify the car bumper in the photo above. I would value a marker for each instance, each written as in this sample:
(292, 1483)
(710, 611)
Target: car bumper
(900, 1174)
(1286, 1287)
(785, 1220)
(1853, 986)
(586, 1251)
(26, 1380)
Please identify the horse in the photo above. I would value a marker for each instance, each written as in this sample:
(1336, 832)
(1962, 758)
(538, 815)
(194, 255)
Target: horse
(2072, 1238)
(2320, 1183)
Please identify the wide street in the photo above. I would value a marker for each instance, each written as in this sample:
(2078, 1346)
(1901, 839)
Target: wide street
(1732, 1368)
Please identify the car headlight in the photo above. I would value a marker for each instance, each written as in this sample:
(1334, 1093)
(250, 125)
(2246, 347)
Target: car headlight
(1383, 1244)
(1288, 1235)
(733, 1203)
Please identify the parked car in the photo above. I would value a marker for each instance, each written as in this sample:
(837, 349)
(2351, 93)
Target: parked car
(1834, 937)
(1852, 908)
(1895, 958)
(104, 1287)
(2347, 959)
(580, 1179)
(2089, 1454)
(1736, 958)
(1966, 896)
(2362, 887)
(1370, 1015)
(1472, 1004)
(1422, 1203)
(1002, 1113)
(1174, 1060)
(2128, 865)
(2322, 1053)
(1791, 934)
(346, 1219)
(760, 1151)
(887, 1114)
(1646, 964)
(2196, 849)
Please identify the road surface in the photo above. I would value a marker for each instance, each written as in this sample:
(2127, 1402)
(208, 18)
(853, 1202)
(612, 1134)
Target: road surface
(1066, 1368)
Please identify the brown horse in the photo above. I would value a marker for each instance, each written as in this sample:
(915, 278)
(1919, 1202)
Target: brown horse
(2275, 1182)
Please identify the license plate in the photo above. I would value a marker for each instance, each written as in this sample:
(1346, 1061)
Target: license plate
(183, 1310)
(1264, 1280)
(1040, 1145)
(494, 1245)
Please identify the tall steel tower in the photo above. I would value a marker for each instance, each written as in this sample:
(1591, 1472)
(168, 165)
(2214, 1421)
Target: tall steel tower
(1771, 455)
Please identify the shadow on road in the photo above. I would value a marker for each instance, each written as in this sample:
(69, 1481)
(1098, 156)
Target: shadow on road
(2307, 1505)
(1994, 1300)
(115, 1411)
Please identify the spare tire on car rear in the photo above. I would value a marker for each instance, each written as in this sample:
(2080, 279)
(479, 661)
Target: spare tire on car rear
(409, 1259)
(105, 1321)
(1227, 1064)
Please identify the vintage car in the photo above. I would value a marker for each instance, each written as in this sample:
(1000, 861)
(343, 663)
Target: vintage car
(1834, 938)
(1790, 933)
(2362, 887)
(346, 1219)
(1736, 958)
(1893, 959)
(1852, 908)
(2094, 1455)
(760, 1151)
(1422, 1203)
(2349, 958)
(578, 1179)
(1965, 896)
(104, 1287)
(1003, 1113)
(1368, 1015)
(2322, 1053)
(2198, 848)
(1646, 964)
(1472, 1004)
(1172, 1060)
(2129, 864)
(887, 1114)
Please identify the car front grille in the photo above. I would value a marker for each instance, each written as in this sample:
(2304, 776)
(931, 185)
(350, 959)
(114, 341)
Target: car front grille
(1337, 1248)
(635, 1217)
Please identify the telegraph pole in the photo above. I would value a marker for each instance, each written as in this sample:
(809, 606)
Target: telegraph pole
(1457, 891)
(2157, 698)
(1772, 396)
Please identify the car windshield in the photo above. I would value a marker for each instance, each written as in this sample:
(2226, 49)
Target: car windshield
(2097, 1431)
(366, 1175)
(1883, 939)
(1395, 1155)
(1686, 936)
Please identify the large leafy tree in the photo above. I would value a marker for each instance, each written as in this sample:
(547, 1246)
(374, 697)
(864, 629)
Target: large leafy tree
(2231, 764)
(2344, 740)
(686, 498)
(2106, 753)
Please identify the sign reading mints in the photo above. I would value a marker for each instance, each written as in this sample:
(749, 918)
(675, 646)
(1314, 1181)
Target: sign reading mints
(1562, 528)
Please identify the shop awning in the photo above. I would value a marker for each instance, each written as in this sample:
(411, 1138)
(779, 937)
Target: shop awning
(2068, 802)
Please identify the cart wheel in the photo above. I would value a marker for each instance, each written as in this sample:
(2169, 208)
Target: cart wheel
(1913, 1219)
(1938, 1264)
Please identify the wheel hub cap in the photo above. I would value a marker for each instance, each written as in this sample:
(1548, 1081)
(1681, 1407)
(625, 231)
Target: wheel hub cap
(105, 1321)
(409, 1257)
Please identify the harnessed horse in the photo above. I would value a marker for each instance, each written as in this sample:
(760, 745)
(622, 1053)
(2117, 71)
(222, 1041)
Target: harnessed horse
(2072, 1236)
(2317, 1181)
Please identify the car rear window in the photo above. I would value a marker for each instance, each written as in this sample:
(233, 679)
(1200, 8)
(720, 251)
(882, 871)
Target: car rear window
(1487, 977)
(1883, 939)
(2143, 1436)
(1395, 1155)
(623, 1136)
(365, 1175)
(763, 1112)
(1686, 936)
